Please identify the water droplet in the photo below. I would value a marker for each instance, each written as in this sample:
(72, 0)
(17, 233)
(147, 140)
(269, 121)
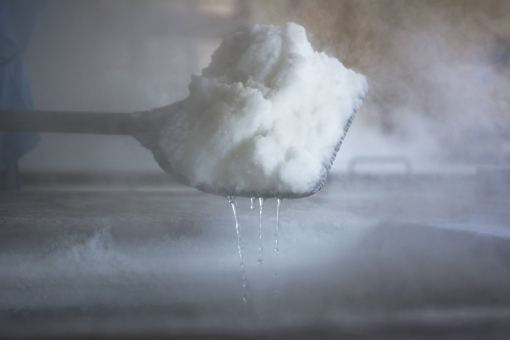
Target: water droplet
(275, 291)
(233, 203)
(252, 203)
(261, 205)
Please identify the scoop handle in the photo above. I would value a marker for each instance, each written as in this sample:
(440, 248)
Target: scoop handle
(113, 123)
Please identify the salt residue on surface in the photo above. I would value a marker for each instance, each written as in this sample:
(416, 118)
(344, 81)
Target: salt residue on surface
(265, 117)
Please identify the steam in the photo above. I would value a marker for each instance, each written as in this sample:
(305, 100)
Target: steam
(439, 70)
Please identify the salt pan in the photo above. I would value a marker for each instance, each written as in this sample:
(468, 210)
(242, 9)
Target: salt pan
(265, 118)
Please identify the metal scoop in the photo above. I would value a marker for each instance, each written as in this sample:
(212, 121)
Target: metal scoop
(144, 126)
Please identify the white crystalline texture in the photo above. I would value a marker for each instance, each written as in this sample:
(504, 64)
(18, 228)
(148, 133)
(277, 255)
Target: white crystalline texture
(265, 116)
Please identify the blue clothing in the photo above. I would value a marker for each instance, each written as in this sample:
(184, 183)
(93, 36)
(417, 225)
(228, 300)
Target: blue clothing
(19, 20)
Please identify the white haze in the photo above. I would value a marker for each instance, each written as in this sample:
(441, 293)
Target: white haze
(439, 73)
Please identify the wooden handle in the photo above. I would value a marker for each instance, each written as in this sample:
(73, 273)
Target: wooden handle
(68, 122)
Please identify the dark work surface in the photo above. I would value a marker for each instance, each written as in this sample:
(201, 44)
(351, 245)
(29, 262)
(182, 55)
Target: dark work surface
(420, 261)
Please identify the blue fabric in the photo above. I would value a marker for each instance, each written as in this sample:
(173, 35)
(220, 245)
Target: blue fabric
(19, 20)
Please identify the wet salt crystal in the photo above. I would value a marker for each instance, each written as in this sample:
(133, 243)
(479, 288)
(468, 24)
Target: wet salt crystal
(265, 116)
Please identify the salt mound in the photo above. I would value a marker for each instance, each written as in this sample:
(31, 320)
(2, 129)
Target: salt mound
(266, 117)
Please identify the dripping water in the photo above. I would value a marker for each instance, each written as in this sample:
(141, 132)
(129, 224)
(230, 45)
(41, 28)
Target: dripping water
(261, 205)
(279, 201)
(233, 203)
(252, 204)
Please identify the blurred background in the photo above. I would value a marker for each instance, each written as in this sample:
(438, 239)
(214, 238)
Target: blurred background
(439, 74)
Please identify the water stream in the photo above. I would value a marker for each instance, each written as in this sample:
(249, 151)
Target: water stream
(235, 209)
(278, 204)
(261, 205)
(233, 203)
(279, 201)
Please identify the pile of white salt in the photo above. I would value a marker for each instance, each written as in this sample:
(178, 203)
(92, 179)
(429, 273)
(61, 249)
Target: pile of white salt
(265, 118)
